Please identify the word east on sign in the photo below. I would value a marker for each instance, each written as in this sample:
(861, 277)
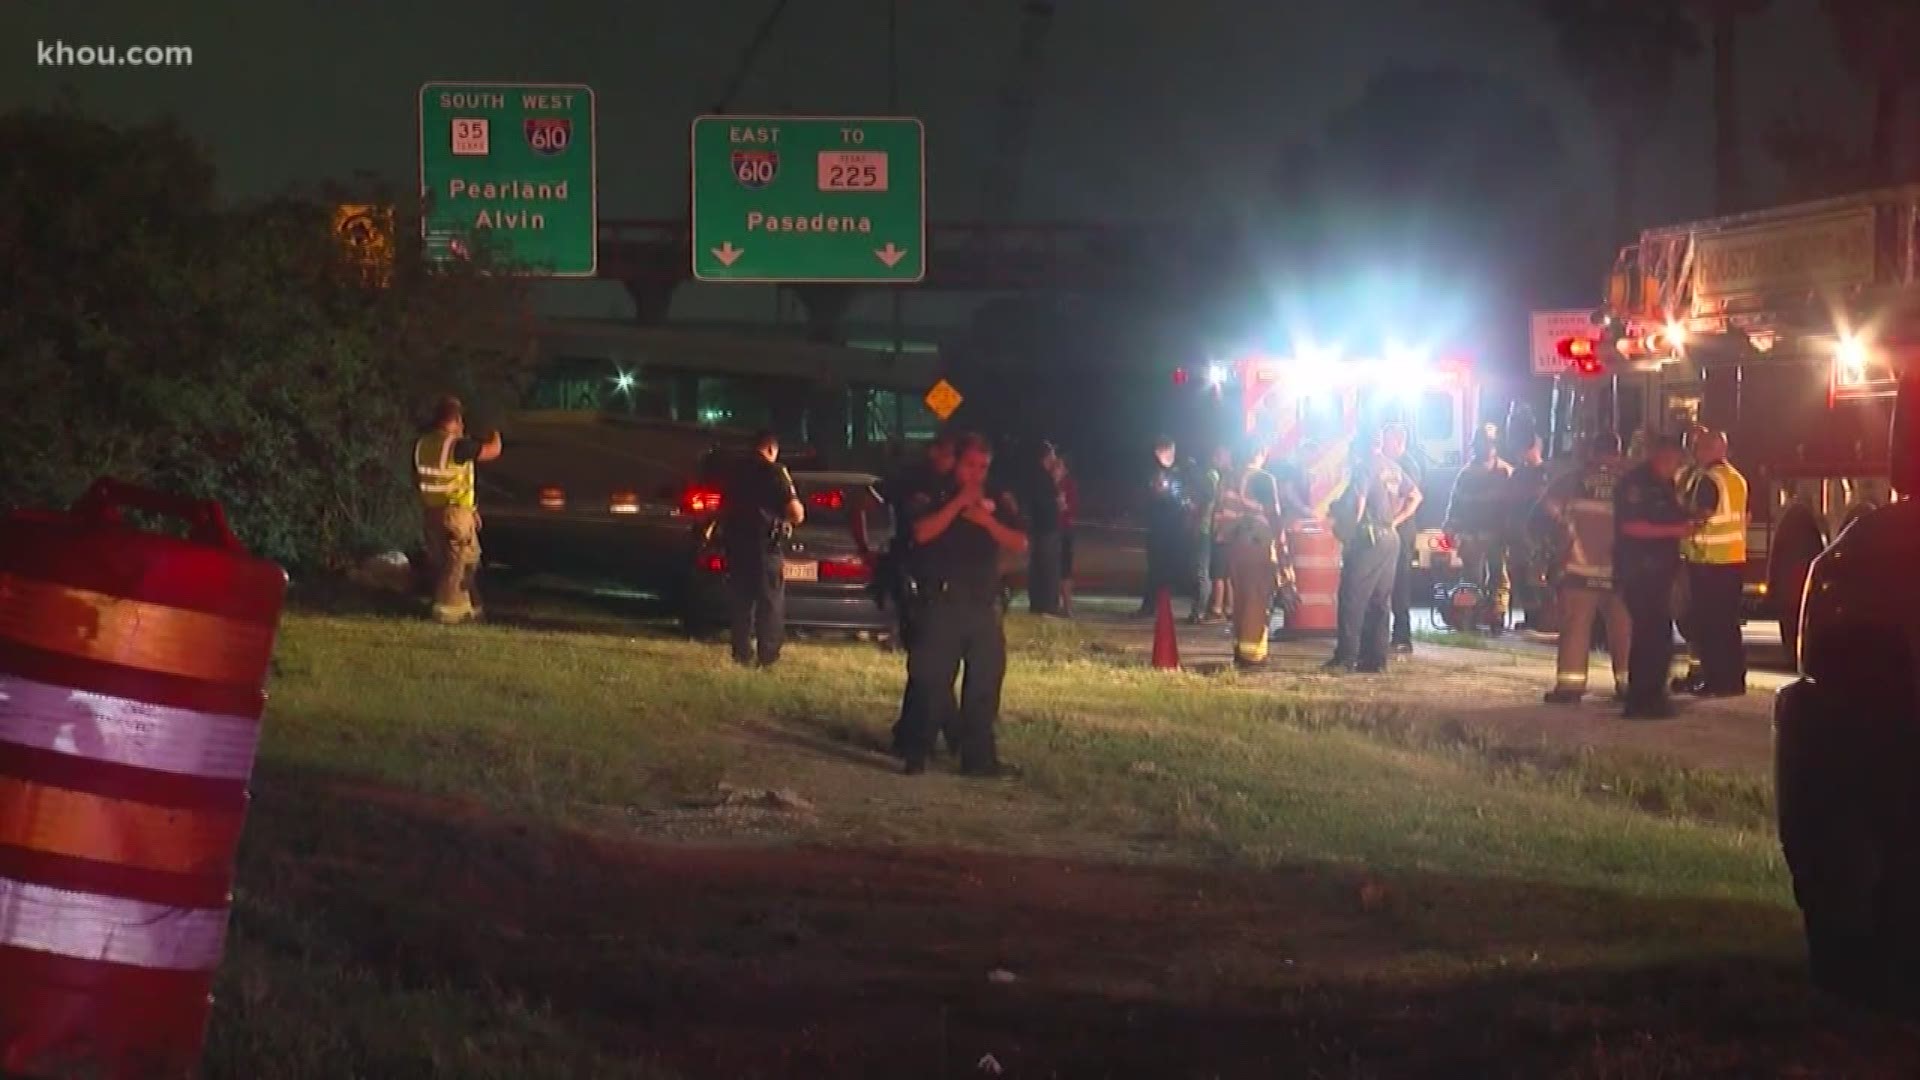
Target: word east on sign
(798, 199)
(512, 167)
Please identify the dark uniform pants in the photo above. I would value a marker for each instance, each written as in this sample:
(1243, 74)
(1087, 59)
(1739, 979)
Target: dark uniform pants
(1365, 614)
(756, 606)
(1403, 589)
(1166, 556)
(1649, 598)
(1713, 612)
(946, 711)
(955, 630)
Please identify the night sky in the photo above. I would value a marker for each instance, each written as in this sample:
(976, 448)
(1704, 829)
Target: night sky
(1147, 108)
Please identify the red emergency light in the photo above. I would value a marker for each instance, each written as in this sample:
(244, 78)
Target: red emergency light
(1582, 355)
(1179, 376)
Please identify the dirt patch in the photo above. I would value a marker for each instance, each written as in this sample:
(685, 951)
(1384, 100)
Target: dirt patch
(1491, 692)
(801, 960)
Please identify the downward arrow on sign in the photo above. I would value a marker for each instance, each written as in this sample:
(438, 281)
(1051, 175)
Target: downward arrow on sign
(891, 255)
(727, 253)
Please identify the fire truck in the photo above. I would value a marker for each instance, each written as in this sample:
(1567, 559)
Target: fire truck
(1307, 407)
(1783, 328)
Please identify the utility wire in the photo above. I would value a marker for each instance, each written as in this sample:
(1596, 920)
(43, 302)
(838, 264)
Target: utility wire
(748, 56)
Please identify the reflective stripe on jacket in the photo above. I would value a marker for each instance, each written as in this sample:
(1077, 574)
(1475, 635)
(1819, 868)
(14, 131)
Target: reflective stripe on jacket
(1588, 511)
(1723, 539)
(442, 482)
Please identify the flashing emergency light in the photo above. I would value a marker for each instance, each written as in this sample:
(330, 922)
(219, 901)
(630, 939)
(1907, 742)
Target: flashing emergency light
(1179, 376)
(1850, 357)
(1582, 355)
(1216, 375)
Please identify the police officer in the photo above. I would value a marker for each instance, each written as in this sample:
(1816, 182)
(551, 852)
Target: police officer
(1716, 558)
(1377, 505)
(758, 511)
(923, 480)
(1582, 504)
(1169, 514)
(443, 460)
(960, 535)
(1393, 443)
(1649, 523)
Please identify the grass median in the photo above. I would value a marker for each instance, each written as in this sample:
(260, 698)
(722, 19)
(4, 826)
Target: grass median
(565, 846)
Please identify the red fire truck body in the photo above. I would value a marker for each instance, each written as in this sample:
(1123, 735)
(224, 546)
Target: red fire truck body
(1780, 327)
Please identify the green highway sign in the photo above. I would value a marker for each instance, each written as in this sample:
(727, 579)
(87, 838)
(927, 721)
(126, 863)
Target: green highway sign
(809, 199)
(511, 166)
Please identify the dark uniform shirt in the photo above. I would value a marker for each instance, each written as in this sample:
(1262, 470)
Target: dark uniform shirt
(964, 559)
(1642, 496)
(1167, 505)
(898, 490)
(754, 500)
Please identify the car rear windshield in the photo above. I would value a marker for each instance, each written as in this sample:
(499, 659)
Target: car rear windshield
(832, 506)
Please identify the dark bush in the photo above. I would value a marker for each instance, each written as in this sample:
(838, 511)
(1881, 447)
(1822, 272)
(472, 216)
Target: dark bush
(149, 333)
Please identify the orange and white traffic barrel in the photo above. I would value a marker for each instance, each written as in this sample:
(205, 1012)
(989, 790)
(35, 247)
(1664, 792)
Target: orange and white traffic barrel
(132, 675)
(1316, 575)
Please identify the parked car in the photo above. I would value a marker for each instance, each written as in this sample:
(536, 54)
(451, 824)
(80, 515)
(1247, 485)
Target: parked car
(829, 577)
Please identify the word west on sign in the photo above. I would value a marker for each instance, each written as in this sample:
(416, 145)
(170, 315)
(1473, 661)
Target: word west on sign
(808, 199)
(511, 168)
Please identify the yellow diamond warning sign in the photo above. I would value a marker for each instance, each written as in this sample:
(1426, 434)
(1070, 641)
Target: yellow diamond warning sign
(943, 399)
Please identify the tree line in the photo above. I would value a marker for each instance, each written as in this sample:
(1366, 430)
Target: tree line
(151, 332)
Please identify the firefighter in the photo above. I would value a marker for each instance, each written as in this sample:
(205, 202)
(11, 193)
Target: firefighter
(443, 460)
(960, 535)
(1582, 504)
(1649, 524)
(1169, 514)
(1477, 523)
(759, 509)
(1247, 524)
(1716, 562)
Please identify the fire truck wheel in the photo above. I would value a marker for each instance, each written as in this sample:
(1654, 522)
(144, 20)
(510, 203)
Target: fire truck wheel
(1797, 541)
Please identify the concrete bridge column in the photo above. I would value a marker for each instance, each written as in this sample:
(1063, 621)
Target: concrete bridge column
(826, 306)
(651, 300)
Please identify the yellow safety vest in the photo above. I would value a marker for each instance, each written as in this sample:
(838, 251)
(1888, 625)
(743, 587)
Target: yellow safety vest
(442, 482)
(1722, 540)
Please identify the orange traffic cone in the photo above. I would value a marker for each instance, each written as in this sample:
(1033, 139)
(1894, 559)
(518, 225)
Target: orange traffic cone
(1166, 643)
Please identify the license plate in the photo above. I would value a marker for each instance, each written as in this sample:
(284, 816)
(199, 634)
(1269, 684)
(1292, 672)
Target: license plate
(800, 571)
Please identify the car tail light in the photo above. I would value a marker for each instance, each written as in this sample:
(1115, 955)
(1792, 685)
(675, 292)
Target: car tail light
(623, 502)
(1443, 542)
(830, 499)
(713, 563)
(851, 569)
(553, 498)
(700, 500)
